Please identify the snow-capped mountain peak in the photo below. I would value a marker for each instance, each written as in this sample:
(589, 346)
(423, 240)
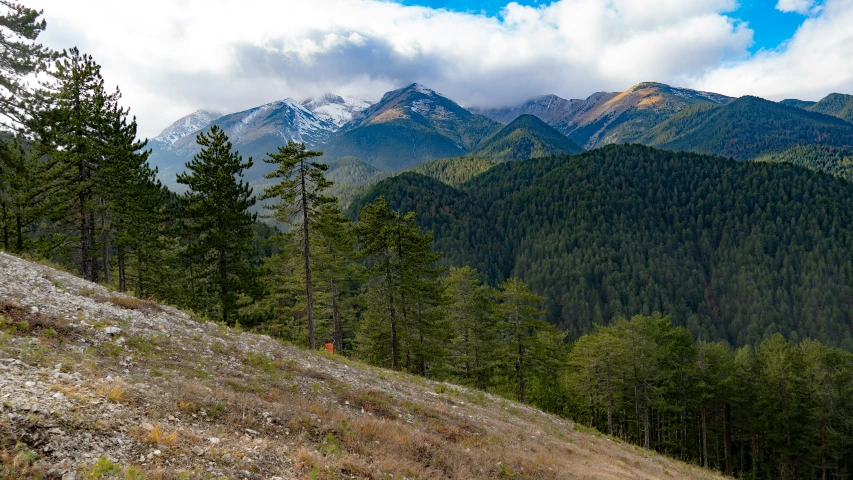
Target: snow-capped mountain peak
(186, 126)
(335, 108)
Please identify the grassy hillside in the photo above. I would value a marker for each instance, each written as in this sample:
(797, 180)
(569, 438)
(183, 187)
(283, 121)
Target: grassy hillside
(524, 138)
(747, 128)
(103, 385)
(835, 161)
(734, 251)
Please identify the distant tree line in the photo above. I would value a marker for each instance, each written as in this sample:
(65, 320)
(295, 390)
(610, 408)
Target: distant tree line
(77, 189)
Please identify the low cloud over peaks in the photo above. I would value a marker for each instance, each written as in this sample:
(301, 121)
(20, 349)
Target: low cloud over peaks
(171, 58)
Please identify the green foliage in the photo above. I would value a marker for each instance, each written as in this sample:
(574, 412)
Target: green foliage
(836, 161)
(524, 138)
(392, 146)
(835, 104)
(218, 226)
(733, 251)
(781, 410)
(403, 321)
(20, 56)
(454, 171)
(351, 177)
(746, 128)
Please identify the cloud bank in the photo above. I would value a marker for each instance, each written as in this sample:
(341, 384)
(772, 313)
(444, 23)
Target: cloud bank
(172, 57)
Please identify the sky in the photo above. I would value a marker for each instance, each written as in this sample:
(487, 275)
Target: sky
(171, 57)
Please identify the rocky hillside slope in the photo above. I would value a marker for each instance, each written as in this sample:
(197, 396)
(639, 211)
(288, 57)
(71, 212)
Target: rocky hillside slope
(95, 384)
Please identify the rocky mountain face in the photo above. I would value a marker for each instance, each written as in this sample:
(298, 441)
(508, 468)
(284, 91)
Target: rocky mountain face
(97, 384)
(335, 108)
(254, 133)
(606, 117)
(184, 126)
(408, 127)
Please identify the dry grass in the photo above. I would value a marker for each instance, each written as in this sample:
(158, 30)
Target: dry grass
(129, 303)
(22, 321)
(114, 392)
(281, 411)
(158, 436)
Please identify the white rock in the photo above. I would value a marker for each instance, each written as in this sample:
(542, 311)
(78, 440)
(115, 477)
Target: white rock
(34, 309)
(30, 384)
(213, 440)
(157, 452)
(112, 330)
(147, 427)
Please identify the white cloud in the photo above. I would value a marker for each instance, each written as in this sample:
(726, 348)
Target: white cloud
(814, 62)
(798, 6)
(171, 57)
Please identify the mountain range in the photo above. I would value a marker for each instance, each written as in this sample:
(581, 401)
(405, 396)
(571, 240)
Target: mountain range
(412, 126)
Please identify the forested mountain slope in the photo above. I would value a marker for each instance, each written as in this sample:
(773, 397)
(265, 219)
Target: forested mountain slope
(747, 128)
(408, 127)
(734, 251)
(526, 137)
(835, 104)
(837, 161)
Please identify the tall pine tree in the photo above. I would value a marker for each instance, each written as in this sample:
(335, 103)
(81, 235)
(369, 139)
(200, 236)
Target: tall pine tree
(300, 191)
(219, 225)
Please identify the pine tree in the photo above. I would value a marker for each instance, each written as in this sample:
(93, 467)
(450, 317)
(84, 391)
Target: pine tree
(72, 130)
(219, 225)
(521, 320)
(473, 318)
(403, 319)
(377, 338)
(18, 203)
(338, 269)
(19, 56)
(300, 190)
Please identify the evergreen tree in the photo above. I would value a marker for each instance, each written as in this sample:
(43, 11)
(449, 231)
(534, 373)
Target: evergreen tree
(20, 56)
(403, 294)
(18, 204)
(219, 225)
(473, 317)
(338, 270)
(300, 189)
(522, 319)
(72, 130)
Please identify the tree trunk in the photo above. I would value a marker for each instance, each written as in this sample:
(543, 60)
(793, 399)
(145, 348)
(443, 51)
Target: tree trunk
(94, 255)
(306, 255)
(105, 246)
(609, 403)
(704, 440)
(19, 231)
(85, 240)
(520, 363)
(5, 227)
(122, 283)
(726, 441)
(336, 317)
(403, 321)
(223, 287)
(391, 312)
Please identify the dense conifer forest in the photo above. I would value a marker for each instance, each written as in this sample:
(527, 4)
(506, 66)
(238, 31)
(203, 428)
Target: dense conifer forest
(693, 305)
